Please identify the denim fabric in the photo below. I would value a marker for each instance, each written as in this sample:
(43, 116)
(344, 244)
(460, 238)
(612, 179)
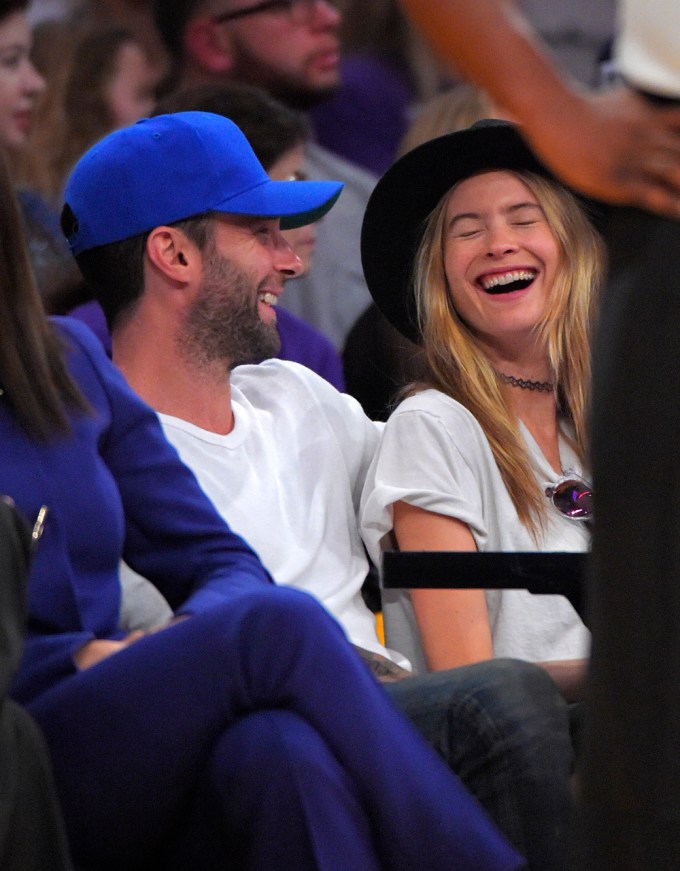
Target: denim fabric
(503, 727)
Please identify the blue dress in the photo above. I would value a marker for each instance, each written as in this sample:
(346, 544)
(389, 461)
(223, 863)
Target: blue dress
(248, 735)
(113, 487)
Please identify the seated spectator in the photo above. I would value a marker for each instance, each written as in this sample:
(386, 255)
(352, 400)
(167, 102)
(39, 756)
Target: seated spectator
(109, 83)
(506, 269)
(20, 87)
(378, 360)
(386, 71)
(277, 135)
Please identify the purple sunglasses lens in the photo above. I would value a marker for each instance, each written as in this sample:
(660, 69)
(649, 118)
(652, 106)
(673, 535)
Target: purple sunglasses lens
(573, 499)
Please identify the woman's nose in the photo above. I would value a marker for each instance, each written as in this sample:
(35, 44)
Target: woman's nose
(500, 240)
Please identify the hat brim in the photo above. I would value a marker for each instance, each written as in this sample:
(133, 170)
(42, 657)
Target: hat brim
(403, 199)
(295, 203)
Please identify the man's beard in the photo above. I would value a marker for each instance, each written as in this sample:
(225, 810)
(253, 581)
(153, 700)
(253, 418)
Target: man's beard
(223, 324)
(300, 98)
(293, 92)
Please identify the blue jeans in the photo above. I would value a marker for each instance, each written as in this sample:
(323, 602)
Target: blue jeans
(503, 727)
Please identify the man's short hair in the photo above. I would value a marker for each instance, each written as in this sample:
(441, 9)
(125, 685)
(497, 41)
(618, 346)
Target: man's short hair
(115, 272)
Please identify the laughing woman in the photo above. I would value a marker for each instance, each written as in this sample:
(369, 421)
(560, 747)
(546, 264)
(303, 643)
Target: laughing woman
(472, 249)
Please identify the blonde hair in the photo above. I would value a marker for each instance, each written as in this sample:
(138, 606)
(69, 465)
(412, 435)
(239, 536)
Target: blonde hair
(455, 109)
(458, 367)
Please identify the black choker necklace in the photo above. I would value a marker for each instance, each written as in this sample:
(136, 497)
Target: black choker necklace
(541, 386)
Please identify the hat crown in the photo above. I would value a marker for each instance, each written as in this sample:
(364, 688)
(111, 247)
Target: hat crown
(158, 171)
(171, 167)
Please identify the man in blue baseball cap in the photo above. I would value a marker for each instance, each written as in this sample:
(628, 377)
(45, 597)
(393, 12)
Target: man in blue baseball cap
(177, 229)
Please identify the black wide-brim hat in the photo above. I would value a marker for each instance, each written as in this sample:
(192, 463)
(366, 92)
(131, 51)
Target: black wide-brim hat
(407, 194)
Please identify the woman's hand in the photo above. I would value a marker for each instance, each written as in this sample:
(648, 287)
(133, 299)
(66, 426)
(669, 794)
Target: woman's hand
(95, 651)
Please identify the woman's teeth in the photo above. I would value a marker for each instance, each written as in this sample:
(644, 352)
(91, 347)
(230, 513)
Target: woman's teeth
(520, 277)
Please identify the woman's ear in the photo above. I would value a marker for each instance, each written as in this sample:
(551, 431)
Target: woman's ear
(174, 255)
(207, 46)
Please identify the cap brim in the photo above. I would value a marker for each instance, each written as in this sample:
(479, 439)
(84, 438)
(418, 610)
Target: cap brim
(295, 203)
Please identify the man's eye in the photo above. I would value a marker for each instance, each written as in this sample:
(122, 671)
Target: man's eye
(10, 61)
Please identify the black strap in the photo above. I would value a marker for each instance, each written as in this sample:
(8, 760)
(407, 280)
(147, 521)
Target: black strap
(554, 573)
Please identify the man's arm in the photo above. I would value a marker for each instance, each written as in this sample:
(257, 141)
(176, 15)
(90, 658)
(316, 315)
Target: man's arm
(613, 146)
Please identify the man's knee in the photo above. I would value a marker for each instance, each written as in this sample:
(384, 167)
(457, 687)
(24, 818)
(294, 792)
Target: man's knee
(483, 704)
(516, 696)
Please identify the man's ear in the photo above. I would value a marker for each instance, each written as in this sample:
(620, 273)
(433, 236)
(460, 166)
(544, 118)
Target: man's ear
(174, 255)
(207, 46)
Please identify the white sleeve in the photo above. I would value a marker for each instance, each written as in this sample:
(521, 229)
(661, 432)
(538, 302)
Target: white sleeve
(432, 461)
(341, 416)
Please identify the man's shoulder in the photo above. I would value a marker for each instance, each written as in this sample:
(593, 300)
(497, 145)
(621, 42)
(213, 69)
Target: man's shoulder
(282, 386)
(279, 378)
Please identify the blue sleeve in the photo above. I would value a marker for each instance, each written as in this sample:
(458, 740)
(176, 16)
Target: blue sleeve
(116, 488)
(173, 534)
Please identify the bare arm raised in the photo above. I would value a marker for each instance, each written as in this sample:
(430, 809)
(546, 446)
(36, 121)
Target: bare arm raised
(614, 146)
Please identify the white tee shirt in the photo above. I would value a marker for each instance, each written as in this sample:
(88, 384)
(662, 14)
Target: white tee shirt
(434, 455)
(648, 45)
(288, 479)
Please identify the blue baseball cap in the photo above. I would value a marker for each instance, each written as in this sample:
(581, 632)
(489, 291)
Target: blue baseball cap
(171, 167)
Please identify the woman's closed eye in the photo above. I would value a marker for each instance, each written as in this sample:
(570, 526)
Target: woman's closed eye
(526, 215)
(464, 230)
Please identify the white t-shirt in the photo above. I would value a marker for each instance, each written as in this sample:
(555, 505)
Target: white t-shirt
(288, 479)
(648, 46)
(434, 455)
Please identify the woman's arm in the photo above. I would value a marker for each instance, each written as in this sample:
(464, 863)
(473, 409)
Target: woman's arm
(454, 624)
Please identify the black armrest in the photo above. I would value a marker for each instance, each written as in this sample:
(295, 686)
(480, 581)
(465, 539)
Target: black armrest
(549, 573)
